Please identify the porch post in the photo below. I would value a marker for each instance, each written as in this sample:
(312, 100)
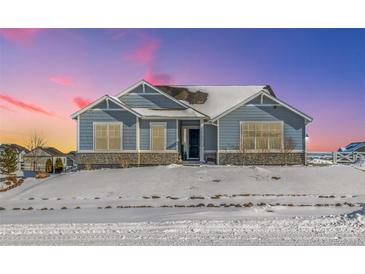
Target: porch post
(201, 140)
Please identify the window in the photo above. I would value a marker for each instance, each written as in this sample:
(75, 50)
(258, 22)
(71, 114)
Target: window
(107, 136)
(261, 136)
(158, 136)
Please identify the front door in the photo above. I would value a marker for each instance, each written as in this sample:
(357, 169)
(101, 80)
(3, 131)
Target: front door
(194, 143)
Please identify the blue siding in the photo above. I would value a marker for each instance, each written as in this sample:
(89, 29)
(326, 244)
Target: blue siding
(100, 105)
(149, 101)
(86, 127)
(210, 137)
(229, 125)
(145, 134)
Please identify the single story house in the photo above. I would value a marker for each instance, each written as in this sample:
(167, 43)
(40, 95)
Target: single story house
(353, 147)
(152, 125)
(20, 151)
(35, 160)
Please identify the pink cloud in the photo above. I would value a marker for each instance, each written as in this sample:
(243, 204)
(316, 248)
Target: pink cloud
(19, 36)
(146, 52)
(25, 105)
(6, 108)
(157, 78)
(81, 102)
(63, 80)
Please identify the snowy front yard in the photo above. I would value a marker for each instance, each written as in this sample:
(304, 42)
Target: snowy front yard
(234, 205)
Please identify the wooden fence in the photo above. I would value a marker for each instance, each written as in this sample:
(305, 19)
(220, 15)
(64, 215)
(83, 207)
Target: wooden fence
(337, 157)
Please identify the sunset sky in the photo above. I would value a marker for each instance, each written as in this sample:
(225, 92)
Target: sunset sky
(47, 74)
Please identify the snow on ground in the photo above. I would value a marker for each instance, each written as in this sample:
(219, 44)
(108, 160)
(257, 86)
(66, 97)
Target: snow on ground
(176, 227)
(190, 206)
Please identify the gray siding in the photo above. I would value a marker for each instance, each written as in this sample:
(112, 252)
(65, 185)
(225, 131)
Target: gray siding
(210, 137)
(170, 132)
(86, 127)
(149, 101)
(229, 125)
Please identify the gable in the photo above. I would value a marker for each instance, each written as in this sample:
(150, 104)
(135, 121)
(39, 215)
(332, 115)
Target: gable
(149, 100)
(144, 95)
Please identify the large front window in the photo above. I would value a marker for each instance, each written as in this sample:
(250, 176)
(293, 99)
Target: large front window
(108, 136)
(261, 136)
(158, 136)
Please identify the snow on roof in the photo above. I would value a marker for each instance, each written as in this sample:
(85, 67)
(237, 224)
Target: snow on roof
(220, 98)
(180, 113)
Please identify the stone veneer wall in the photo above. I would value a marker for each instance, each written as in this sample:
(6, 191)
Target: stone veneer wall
(261, 158)
(109, 160)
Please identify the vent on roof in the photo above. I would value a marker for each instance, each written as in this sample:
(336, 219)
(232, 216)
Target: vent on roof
(197, 97)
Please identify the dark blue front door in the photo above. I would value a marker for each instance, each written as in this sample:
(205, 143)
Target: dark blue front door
(194, 143)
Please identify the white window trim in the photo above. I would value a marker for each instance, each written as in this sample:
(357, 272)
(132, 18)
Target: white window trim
(165, 133)
(259, 150)
(121, 136)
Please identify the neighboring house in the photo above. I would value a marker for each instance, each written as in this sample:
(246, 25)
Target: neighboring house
(151, 125)
(353, 147)
(20, 151)
(36, 159)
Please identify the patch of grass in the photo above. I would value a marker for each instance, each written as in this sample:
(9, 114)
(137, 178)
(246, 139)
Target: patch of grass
(77, 207)
(107, 207)
(63, 207)
(218, 196)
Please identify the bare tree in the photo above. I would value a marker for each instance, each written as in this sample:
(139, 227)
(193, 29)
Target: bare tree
(35, 141)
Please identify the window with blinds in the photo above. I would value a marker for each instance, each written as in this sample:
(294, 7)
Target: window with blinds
(261, 136)
(158, 137)
(107, 136)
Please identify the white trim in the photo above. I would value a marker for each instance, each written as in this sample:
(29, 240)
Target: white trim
(177, 135)
(107, 109)
(143, 94)
(263, 93)
(201, 141)
(262, 122)
(122, 105)
(264, 105)
(78, 134)
(137, 134)
(159, 151)
(121, 136)
(217, 142)
(210, 151)
(107, 103)
(170, 118)
(185, 140)
(255, 151)
(165, 133)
